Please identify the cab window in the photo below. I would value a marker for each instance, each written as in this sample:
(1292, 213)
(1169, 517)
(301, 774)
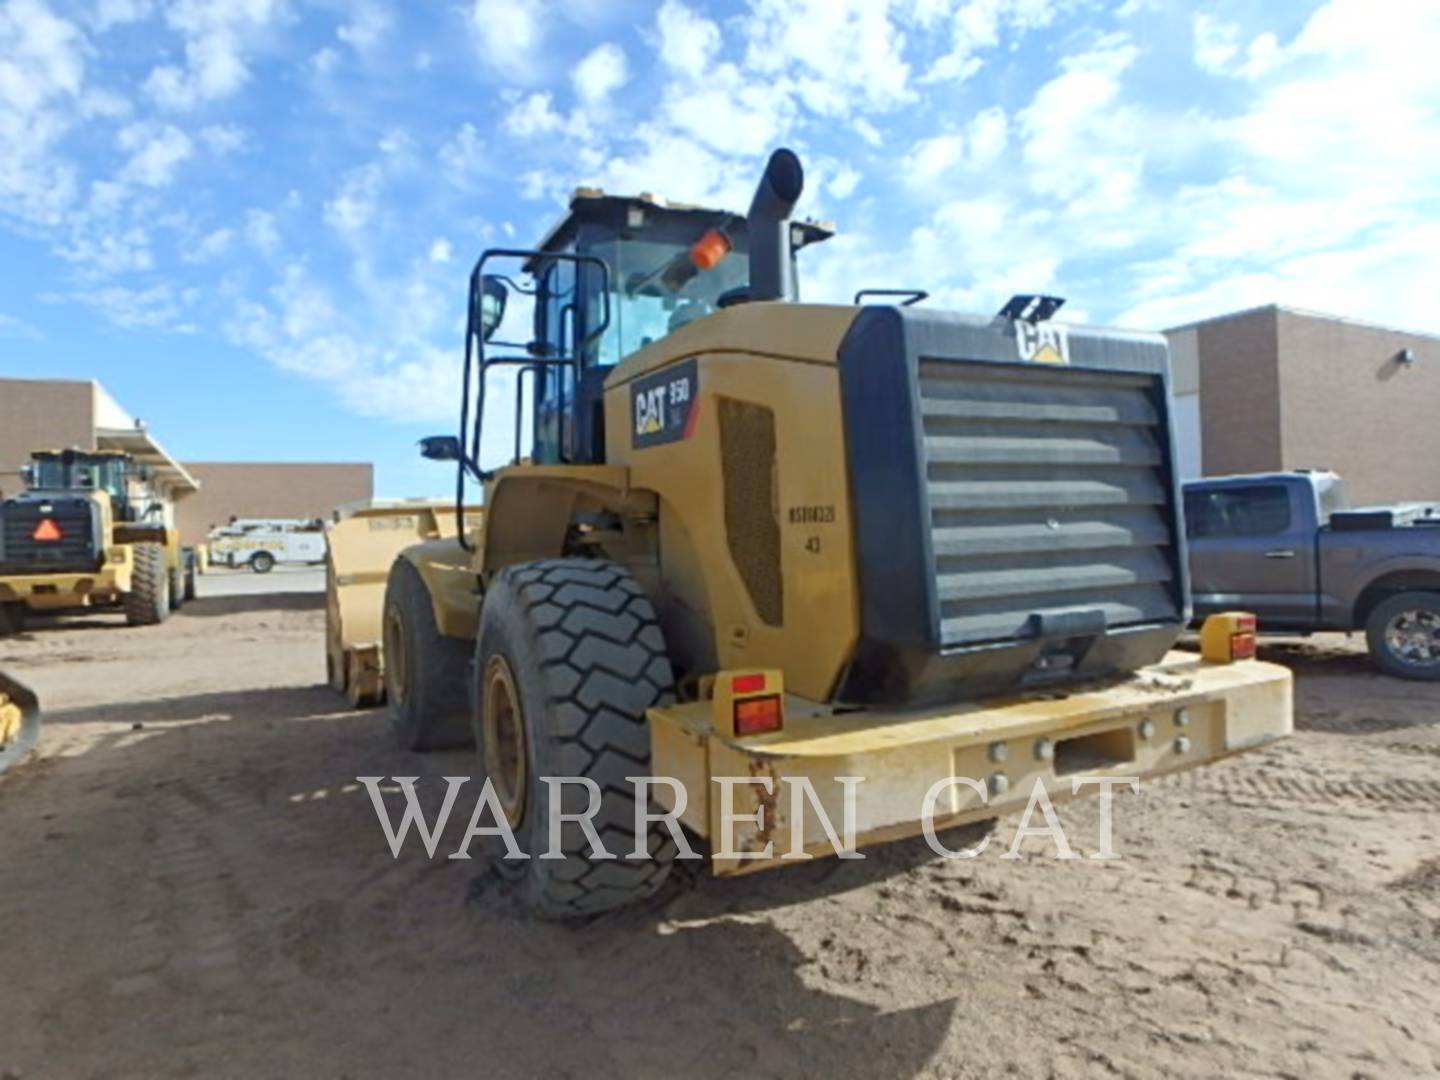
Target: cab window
(1258, 510)
(655, 288)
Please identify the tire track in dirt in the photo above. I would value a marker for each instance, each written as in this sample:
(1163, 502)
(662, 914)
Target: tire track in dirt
(1394, 793)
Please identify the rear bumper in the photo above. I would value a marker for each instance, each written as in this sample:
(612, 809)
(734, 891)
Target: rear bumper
(78, 588)
(1171, 716)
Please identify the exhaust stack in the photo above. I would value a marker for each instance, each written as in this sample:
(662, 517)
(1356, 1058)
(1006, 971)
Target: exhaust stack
(768, 224)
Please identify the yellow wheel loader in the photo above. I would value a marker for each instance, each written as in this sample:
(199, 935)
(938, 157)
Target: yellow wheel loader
(19, 721)
(94, 529)
(795, 563)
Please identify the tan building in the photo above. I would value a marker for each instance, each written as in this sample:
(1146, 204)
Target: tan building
(1276, 389)
(59, 413)
(270, 490)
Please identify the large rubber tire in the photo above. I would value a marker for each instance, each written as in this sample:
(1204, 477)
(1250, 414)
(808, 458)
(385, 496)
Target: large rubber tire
(148, 601)
(177, 588)
(189, 590)
(586, 656)
(12, 619)
(1425, 605)
(262, 562)
(426, 673)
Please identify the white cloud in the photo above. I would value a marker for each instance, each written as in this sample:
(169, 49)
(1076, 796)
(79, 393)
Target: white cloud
(210, 246)
(977, 25)
(12, 326)
(110, 13)
(464, 157)
(1216, 43)
(844, 183)
(368, 27)
(729, 113)
(156, 152)
(325, 61)
(1080, 142)
(688, 42)
(377, 355)
(440, 250)
(261, 231)
(677, 167)
(218, 34)
(222, 139)
(840, 55)
(988, 133)
(600, 74)
(508, 35)
(42, 73)
(1218, 52)
(929, 159)
(533, 115)
(356, 204)
(155, 307)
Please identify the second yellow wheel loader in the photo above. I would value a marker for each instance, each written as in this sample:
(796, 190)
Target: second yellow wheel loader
(758, 547)
(93, 529)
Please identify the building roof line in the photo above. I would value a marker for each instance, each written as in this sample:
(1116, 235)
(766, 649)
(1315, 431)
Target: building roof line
(1305, 313)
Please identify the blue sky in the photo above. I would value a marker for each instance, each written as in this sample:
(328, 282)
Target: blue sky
(252, 219)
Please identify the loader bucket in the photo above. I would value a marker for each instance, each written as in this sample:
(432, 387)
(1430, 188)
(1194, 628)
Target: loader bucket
(364, 540)
(19, 721)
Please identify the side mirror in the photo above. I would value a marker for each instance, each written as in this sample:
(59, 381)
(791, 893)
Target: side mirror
(440, 448)
(493, 295)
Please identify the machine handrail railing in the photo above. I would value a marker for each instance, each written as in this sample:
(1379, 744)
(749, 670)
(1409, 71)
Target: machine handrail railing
(479, 364)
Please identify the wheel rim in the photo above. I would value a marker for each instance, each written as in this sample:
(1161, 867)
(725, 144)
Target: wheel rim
(1414, 637)
(503, 736)
(397, 674)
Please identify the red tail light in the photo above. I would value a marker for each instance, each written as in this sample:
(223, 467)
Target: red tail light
(1242, 642)
(753, 716)
(47, 531)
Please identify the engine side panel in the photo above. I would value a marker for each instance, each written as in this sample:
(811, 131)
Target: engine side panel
(746, 454)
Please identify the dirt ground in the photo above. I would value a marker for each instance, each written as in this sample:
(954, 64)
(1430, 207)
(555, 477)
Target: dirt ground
(193, 885)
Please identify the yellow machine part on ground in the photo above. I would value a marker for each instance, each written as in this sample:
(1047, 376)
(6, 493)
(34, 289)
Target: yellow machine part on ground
(363, 542)
(19, 721)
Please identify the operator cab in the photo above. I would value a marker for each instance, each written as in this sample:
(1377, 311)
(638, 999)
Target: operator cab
(613, 276)
(80, 470)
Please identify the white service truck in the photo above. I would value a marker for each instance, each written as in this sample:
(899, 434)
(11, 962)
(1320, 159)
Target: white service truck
(264, 543)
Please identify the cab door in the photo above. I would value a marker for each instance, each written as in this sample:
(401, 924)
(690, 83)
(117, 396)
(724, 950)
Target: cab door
(1248, 552)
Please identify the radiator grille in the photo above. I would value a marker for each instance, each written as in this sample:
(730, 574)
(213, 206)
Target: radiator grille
(752, 521)
(20, 552)
(1048, 493)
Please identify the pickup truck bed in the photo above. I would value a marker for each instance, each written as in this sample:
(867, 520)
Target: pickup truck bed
(1285, 546)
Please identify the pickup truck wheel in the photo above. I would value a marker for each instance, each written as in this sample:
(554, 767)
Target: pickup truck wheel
(262, 562)
(1404, 636)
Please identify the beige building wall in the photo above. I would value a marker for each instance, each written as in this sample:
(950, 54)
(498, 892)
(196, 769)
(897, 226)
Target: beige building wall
(42, 414)
(269, 490)
(1352, 405)
(1287, 389)
(1240, 402)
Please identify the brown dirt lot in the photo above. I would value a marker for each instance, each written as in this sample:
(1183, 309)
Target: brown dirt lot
(194, 886)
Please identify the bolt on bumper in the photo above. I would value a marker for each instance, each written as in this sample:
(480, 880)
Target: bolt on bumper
(1172, 716)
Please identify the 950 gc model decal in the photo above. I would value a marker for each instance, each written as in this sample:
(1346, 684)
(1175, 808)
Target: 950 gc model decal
(664, 406)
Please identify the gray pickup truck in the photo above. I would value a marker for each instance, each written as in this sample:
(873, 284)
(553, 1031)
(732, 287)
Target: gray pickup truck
(1288, 547)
